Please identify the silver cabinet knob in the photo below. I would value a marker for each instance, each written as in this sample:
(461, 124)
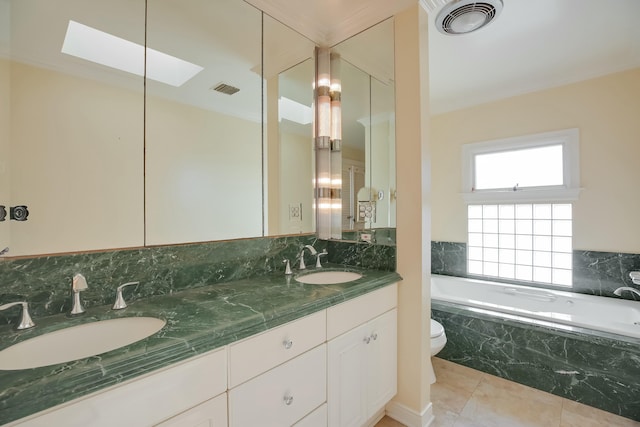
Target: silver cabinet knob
(288, 400)
(367, 340)
(287, 344)
(374, 336)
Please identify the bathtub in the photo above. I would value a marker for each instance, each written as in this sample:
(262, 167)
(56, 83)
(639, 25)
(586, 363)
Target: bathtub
(598, 313)
(582, 347)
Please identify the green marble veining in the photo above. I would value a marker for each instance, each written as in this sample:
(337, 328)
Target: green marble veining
(45, 282)
(595, 368)
(199, 319)
(365, 255)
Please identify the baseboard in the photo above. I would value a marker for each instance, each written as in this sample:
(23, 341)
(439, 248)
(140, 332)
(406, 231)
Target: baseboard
(409, 417)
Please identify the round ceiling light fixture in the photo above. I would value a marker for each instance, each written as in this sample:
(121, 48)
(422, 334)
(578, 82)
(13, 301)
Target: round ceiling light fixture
(465, 16)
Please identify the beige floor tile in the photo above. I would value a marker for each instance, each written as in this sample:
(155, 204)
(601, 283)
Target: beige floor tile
(453, 388)
(575, 414)
(444, 418)
(450, 373)
(388, 422)
(500, 403)
(466, 422)
(446, 398)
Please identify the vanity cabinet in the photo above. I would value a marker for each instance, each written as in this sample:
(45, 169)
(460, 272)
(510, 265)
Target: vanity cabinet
(259, 353)
(283, 395)
(212, 413)
(147, 400)
(278, 377)
(362, 362)
(335, 367)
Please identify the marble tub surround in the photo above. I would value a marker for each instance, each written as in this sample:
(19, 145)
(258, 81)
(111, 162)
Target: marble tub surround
(449, 258)
(597, 369)
(45, 282)
(198, 320)
(601, 273)
(594, 273)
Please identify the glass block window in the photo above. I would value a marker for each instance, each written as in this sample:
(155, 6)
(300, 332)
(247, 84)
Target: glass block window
(526, 242)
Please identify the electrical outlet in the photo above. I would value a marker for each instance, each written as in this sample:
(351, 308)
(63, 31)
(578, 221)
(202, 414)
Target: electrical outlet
(365, 237)
(295, 212)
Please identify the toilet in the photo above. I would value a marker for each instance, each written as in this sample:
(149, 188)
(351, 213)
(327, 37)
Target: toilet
(438, 341)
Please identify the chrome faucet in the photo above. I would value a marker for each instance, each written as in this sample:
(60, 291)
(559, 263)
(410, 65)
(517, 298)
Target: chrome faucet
(287, 268)
(312, 251)
(78, 285)
(323, 253)
(626, 288)
(25, 321)
(120, 302)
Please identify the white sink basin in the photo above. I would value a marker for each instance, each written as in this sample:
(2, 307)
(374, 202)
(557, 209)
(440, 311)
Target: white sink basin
(78, 342)
(328, 277)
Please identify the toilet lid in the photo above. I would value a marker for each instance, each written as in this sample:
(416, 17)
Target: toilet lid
(436, 329)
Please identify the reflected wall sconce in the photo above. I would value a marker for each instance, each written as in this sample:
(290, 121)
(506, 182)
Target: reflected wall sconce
(328, 145)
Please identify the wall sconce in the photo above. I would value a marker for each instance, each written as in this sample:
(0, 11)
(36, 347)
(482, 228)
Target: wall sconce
(328, 142)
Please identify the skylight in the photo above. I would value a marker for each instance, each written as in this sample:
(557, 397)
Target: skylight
(106, 49)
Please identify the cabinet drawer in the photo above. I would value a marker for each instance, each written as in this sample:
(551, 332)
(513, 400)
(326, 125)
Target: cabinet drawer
(257, 354)
(283, 395)
(212, 413)
(348, 315)
(317, 418)
(145, 401)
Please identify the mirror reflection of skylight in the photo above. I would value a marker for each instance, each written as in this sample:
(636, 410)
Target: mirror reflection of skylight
(106, 49)
(294, 111)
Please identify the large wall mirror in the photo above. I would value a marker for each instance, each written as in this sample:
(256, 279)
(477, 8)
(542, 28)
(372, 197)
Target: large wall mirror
(104, 158)
(368, 154)
(73, 144)
(368, 135)
(204, 134)
(103, 162)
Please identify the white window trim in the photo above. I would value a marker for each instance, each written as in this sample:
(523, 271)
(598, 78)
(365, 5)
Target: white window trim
(568, 138)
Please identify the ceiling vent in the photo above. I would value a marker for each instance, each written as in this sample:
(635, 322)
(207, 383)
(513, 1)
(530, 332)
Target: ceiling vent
(226, 89)
(465, 16)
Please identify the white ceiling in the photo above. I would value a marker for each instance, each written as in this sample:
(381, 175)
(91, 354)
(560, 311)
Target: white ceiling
(532, 45)
(328, 22)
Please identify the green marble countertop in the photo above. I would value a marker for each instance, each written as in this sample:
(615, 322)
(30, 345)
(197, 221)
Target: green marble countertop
(198, 320)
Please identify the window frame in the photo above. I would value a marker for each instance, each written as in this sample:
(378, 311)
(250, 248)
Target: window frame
(567, 192)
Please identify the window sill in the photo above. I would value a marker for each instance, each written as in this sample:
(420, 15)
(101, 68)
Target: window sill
(522, 196)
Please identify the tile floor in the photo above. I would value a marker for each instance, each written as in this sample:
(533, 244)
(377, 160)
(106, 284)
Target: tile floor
(464, 397)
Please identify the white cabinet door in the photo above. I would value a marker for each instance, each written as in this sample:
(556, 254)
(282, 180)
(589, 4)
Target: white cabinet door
(382, 361)
(362, 371)
(347, 379)
(212, 413)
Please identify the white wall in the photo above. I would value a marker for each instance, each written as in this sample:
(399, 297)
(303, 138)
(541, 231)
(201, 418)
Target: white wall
(204, 175)
(5, 128)
(606, 110)
(296, 182)
(76, 162)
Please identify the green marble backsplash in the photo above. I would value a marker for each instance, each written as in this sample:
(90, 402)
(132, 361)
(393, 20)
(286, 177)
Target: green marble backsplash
(45, 282)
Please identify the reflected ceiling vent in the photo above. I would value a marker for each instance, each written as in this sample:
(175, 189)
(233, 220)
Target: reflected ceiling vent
(463, 16)
(226, 89)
